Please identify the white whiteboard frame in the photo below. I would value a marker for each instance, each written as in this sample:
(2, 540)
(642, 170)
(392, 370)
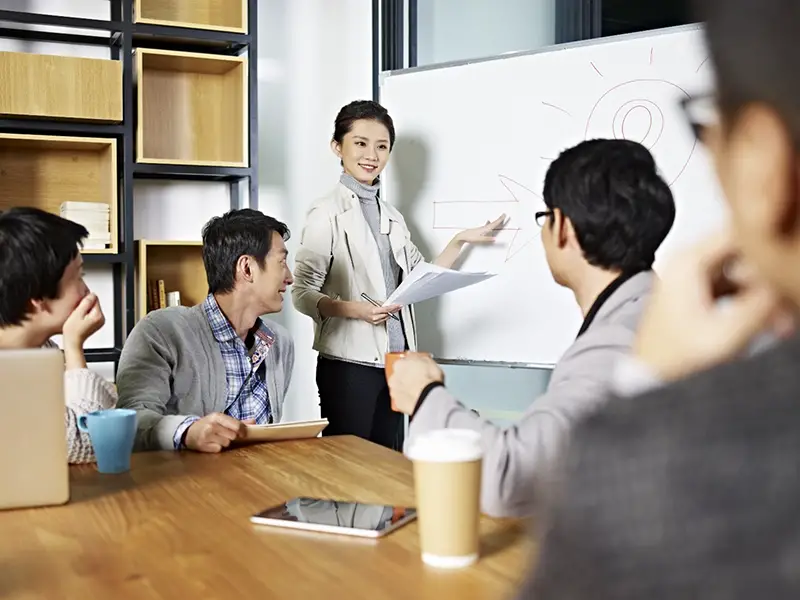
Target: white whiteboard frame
(543, 50)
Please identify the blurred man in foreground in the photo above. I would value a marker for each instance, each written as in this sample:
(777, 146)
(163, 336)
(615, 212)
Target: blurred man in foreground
(691, 488)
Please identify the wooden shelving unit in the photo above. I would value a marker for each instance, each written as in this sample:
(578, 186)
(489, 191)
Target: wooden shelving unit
(60, 87)
(46, 170)
(179, 264)
(176, 99)
(192, 108)
(220, 15)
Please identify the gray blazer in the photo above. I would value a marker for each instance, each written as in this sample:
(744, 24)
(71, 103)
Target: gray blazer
(521, 457)
(690, 490)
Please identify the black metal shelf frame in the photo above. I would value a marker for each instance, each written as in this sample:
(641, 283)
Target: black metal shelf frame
(102, 354)
(171, 171)
(110, 32)
(121, 35)
(61, 127)
(103, 259)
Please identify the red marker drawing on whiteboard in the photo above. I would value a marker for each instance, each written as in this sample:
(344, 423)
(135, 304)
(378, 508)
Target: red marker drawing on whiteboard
(519, 205)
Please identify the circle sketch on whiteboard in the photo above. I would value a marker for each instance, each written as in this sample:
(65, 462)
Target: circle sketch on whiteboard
(646, 111)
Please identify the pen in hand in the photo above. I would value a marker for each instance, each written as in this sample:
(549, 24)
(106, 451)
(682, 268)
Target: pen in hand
(376, 303)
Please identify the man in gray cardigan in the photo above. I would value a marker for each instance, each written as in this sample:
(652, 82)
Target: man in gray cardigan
(608, 212)
(196, 375)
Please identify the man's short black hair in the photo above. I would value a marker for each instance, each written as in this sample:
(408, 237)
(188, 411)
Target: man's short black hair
(619, 205)
(242, 232)
(35, 249)
(755, 54)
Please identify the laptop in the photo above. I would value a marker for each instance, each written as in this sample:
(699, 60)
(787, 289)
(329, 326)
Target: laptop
(33, 444)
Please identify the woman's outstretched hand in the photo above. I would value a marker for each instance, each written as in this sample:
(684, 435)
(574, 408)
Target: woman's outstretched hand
(477, 235)
(485, 234)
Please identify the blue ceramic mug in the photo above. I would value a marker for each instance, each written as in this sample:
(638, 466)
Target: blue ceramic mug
(112, 432)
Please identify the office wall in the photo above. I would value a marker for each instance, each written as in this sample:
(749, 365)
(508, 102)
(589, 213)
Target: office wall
(314, 57)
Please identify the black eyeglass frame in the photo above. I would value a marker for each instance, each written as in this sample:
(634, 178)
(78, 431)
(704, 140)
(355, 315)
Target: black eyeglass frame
(542, 214)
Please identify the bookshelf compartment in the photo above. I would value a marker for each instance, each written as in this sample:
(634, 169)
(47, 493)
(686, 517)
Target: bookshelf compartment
(44, 171)
(192, 109)
(60, 87)
(222, 15)
(178, 264)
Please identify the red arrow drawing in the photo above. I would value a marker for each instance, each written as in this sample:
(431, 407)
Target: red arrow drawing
(520, 225)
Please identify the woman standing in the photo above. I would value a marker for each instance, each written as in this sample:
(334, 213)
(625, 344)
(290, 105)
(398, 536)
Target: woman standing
(354, 244)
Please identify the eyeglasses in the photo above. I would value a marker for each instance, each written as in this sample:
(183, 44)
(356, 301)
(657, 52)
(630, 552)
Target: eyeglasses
(542, 216)
(701, 112)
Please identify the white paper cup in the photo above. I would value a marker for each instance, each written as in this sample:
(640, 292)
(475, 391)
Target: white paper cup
(447, 484)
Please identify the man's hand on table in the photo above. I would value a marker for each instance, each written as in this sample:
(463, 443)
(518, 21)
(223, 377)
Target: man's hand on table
(214, 432)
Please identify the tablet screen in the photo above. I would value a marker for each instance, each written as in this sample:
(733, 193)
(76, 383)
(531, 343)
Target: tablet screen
(315, 513)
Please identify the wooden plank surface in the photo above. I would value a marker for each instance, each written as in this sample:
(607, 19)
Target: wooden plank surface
(46, 170)
(192, 108)
(222, 15)
(60, 87)
(177, 526)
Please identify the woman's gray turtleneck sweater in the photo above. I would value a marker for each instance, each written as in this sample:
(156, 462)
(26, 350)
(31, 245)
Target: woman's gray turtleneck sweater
(368, 198)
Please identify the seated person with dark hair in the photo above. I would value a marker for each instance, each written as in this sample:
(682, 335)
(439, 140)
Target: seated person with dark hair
(608, 211)
(196, 375)
(42, 294)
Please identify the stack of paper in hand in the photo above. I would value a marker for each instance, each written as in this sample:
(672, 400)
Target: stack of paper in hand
(95, 217)
(428, 281)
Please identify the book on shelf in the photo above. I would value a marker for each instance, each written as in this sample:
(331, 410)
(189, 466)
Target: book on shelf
(158, 297)
(95, 217)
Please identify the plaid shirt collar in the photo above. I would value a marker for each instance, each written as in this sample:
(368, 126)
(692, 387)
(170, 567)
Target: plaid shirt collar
(223, 330)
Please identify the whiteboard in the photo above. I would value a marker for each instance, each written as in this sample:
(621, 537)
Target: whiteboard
(475, 139)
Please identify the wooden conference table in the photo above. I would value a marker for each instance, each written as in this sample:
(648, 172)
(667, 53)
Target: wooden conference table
(177, 526)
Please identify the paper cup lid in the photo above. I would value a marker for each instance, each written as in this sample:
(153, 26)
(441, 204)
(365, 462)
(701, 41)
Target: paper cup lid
(445, 445)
